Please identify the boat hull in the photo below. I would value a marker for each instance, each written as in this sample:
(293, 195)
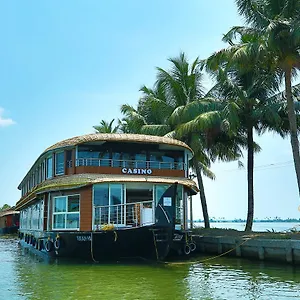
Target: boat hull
(149, 242)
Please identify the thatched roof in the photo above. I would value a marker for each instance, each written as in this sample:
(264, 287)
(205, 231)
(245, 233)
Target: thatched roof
(80, 180)
(9, 211)
(118, 137)
(112, 137)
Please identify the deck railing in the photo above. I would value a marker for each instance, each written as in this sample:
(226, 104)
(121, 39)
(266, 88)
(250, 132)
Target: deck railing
(116, 163)
(135, 214)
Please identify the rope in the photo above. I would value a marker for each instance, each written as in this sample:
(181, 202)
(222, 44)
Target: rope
(155, 246)
(210, 258)
(92, 254)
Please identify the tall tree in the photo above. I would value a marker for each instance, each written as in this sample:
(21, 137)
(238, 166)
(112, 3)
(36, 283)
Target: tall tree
(273, 33)
(172, 91)
(160, 109)
(254, 110)
(5, 206)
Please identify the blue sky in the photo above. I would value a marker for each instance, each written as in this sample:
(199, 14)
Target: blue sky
(66, 65)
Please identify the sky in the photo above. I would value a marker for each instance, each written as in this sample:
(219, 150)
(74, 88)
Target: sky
(66, 65)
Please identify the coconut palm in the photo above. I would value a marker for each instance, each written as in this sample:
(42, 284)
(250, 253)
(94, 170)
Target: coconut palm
(273, 39)
(245, 92)
(172, 91)
(106, 127)
(159, 113)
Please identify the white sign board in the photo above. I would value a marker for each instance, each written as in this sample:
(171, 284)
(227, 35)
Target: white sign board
(167, 201)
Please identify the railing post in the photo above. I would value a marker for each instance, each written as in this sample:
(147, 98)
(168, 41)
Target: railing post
(136, 217)
(153, 211)
(100, 219)
(140, 213)
(125, 210)
(117, 215)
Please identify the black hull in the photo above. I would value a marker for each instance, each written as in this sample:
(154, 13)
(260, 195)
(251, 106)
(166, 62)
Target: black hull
(149, 242)
(9, 230)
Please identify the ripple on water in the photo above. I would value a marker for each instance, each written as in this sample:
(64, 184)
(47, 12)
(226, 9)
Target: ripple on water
(27, 276)
(248, 281)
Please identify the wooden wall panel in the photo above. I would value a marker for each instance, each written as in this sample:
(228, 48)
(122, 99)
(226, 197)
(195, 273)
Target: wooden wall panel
(86, 208)
(118, 171)
(45, 211)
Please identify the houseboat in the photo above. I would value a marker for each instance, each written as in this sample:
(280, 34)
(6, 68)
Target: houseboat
(108, 196)
(9, 221)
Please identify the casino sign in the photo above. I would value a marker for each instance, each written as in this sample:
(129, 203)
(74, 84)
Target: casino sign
(136, 171)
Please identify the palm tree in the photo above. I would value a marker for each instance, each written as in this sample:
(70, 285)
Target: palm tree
(159, 113)
(245, 92)
(106, 127)
(172, 91)
(273, 39)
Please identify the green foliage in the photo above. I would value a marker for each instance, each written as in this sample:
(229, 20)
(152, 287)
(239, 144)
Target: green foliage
(247, 74)
(5, 206)
(106, 127)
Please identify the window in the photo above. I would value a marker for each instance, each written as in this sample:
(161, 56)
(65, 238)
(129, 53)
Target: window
(59, 163)
(43, 170)
(179, 205)
(66, 212)
(88, 156)
(33, 216)
(116, 213)
(101, 195)
(167, 162)
(104, 157)
(69, 158)
(101, 198)
(108, 200)
(140, 160)
(49, 173)
(159, 191)
(116, 159)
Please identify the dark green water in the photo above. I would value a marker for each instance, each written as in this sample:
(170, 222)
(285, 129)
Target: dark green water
(27, 276)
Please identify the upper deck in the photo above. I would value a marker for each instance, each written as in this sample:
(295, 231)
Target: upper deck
(115, 154)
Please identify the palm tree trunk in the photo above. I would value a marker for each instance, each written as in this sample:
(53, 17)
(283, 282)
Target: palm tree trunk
(250, 168)
(202, 194)
(293, 124)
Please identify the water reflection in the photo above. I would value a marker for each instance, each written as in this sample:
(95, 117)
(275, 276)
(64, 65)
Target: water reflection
(230, 278)
(28, 276)
(63, 279)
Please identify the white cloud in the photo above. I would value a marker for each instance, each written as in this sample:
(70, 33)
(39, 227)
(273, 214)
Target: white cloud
(3, 121)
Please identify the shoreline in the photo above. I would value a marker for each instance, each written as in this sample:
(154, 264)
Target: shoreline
(269, 246)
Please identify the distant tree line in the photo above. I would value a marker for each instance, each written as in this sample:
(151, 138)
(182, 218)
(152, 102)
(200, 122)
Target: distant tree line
(5, 206)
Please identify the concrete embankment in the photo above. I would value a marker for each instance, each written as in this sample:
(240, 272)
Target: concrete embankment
(283, 250)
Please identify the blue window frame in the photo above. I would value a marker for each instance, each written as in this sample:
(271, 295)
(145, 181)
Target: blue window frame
(59, 163)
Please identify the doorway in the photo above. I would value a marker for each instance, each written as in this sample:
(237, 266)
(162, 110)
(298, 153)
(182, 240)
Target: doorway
(139, 202)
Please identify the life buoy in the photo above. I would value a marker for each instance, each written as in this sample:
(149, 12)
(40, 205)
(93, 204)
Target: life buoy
(40, 244)
(193, 246)
(187, 249)
(57, 243)
(48, 246)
